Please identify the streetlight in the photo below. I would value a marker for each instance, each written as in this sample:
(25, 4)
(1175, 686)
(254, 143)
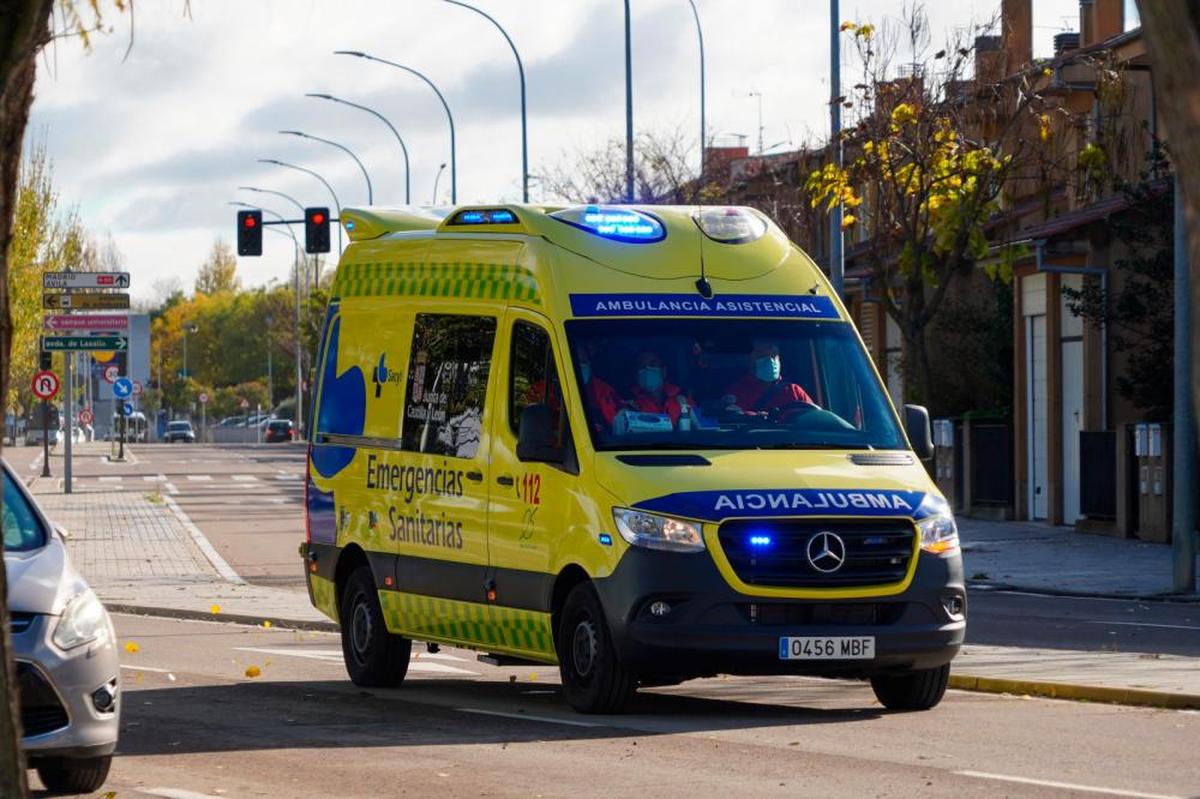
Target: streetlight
(628, 109)
(287, 197)
(760, 123)
(270, 378)
(343, 148)
(445, 105)
(700, 34)
(336, 204)
(436, 178)
(188, 327)
(299, 364)
(521, 73)
(403, 148)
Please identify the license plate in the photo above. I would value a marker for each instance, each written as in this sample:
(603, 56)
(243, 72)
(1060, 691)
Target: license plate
(827, 648)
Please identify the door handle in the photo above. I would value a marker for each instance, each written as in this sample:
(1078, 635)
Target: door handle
(475, 477)
(505, 480)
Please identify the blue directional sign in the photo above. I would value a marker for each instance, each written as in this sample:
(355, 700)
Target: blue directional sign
(122, 388)
(127, 408)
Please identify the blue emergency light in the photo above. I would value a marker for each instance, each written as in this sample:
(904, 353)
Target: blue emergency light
(614, 223)
(484, 216)
(760, 541)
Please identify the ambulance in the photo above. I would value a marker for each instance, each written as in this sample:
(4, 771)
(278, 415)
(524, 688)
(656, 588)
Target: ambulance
(643, 444)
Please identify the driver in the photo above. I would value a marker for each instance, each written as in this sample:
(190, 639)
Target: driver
(762, 389)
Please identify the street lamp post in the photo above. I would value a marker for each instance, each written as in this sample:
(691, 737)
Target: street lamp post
(329, 188)
(188, 327)
(700, 35)
(437, 178)
(628, 109)
(343, 148)
(403, 148)
(837, 266)
(521, 73)
(270, 376)
(445, 105)
(287, 197)
(299, 345)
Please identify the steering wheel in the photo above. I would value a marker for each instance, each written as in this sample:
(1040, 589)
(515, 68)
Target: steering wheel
(777, 414)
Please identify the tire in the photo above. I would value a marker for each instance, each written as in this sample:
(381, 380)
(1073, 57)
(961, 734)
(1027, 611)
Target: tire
(374, 657)
(74, 775)
(915, 690)
(593, 679)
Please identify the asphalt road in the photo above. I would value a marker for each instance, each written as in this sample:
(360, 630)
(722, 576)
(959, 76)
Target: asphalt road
(248, 501)
(195, 725)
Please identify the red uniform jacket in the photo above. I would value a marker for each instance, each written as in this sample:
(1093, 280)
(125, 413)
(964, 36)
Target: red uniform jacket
(669, 404)
(752, 394)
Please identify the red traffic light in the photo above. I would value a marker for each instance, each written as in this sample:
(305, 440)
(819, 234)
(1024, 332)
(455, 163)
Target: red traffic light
(318, 219)
(249, 221)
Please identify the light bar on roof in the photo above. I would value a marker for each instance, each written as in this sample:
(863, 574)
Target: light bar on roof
(484, 216)
(614, 223)
(730, 225)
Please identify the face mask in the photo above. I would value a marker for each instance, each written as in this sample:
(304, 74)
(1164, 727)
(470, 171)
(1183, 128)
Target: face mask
(767, 368)
(650, 378)
(585, 371)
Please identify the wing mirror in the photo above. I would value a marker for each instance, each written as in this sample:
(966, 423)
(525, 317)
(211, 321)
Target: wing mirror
(919, 430)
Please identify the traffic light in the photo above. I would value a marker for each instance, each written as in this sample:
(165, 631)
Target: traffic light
(249, 234)
(316, 230)
(44, 362)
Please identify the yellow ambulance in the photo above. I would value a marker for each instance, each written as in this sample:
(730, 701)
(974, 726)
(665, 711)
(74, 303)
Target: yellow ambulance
(645, 444)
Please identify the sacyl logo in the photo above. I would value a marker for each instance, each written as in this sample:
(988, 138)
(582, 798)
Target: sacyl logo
(381, 374)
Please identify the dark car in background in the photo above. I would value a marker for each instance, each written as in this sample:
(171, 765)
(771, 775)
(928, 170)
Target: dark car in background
(180, 431)
(279, 430)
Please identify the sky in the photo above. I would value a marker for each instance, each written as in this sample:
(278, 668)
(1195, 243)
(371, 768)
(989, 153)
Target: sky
(152, 147)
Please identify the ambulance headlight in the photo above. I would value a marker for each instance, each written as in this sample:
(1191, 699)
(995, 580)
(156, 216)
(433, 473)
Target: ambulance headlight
(939, 534)
(658, 532)
(83, 621)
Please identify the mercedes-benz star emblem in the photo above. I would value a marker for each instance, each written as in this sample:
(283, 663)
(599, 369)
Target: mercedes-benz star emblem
(826, 552)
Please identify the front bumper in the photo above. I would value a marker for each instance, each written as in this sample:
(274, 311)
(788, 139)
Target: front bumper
(71, 677)
(711, 628)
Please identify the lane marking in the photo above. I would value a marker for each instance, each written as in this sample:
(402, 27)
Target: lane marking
(214, 557)
(1066, 786)
(527, 717)
(335, 656)
(1146, 624)
(199, 478)
(111, 478)
(171, 489)
(147, 668)
(177, 793)
(154, 478)
(245, 478)
(287, 476)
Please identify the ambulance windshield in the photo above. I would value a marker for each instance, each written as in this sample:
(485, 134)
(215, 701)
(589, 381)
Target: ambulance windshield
(654, 384)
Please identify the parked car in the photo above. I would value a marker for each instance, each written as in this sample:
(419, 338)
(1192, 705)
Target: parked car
(64, 648)
(279, 430)
(180, 431)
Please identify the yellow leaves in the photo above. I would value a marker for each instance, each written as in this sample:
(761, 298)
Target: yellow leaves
(1047, 73)
(1092, 157)
(864, 31)
(849, 221)
(215, 609)
(847, 26)
(131, 647)
(266, 624)
(904, 114)
(253, 672)
(1044, 127)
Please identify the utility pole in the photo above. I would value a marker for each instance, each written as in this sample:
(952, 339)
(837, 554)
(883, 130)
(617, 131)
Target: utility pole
(68, 405)
(837, 266)
(628, 109)
(270, 382)
(1183, 522)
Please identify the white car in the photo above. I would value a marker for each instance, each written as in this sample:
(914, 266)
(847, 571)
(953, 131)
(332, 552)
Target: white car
(64, 646)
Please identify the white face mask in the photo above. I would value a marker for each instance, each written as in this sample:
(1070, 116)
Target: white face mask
(650, 378)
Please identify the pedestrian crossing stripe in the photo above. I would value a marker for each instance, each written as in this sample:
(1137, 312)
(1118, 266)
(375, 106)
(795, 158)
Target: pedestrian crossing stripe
(507, 630)
(421, 279)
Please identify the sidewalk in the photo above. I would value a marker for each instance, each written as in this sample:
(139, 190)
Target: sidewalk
(1059, 560)
(143, 555)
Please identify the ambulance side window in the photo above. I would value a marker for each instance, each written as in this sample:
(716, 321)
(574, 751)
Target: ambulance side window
(447, 383)
(533, 380)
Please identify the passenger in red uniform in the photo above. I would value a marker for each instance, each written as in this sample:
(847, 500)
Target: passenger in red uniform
(653, 394)
(598, 394)
(762, 389)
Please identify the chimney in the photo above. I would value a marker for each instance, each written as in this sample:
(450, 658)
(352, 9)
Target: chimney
(1085, 23)
(989, 60)
(1016, 27)
(1108, 20)
(1065, 42)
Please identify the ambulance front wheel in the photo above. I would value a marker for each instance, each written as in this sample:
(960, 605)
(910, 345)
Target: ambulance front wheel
(593, 679)
(374, 657)
(921, 689)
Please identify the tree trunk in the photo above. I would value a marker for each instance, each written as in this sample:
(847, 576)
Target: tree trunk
(24, 29)
(1172, 31)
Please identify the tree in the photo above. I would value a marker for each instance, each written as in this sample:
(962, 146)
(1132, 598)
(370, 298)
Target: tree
(928, 157)
(218, 274)
(1172, 31)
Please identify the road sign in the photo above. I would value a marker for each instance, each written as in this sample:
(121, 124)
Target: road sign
(111, 373)
(100, 322)
(203, 398)
(127, 408)
(122, 388)
(45, 385)
(86, 416)
(138, 388)
(244, 404)
(85, 280)
(87, 302)
(60, 343)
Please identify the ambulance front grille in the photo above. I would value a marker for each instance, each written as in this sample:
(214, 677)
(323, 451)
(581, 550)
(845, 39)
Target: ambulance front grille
(775, 552)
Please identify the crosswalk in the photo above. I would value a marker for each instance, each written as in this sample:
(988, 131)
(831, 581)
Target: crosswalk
(425, 662)
(287, 483)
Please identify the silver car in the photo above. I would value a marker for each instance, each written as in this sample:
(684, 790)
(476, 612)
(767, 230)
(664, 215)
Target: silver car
(68, 674)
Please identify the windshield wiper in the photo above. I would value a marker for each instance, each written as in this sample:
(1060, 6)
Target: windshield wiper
(802, 445)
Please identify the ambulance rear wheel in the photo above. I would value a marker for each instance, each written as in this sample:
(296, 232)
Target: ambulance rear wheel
(593, 679)
(915, 690)
(374, 657)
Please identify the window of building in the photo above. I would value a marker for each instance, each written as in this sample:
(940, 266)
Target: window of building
(533, 380)
(447, 384)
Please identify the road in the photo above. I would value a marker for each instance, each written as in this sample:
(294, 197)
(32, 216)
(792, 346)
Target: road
(459, 727)
(248, 501)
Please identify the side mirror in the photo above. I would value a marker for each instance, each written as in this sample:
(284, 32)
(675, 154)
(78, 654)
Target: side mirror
(535, 437)
(919, 430)
(61, 532)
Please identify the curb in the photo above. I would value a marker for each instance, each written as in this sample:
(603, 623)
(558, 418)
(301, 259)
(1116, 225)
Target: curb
(235, 618)
(990, 587)
(1137, 697)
